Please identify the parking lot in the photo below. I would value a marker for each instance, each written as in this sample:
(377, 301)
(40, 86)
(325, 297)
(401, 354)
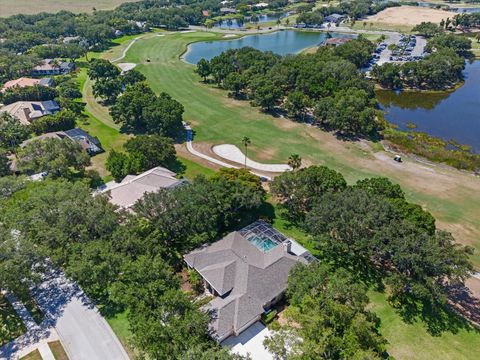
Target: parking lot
(408, 48)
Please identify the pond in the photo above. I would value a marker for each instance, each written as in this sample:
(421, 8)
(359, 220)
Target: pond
(452, 7)
(262, 18)
(447, 115)
(279, 42)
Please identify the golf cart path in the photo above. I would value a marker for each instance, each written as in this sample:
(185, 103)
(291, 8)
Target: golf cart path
(124, 53)
(194, 152)
(234, 154)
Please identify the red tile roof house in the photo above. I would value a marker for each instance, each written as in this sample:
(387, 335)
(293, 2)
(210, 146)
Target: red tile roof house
(247, 272)
(24, 82)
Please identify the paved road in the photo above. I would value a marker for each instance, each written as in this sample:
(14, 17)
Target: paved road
(84, 333)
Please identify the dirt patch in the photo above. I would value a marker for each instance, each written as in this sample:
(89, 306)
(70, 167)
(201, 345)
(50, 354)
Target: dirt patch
(185, 286)
(409, 15)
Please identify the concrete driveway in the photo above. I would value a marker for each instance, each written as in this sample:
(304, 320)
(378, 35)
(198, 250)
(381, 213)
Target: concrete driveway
(250, 342)
(84, 333)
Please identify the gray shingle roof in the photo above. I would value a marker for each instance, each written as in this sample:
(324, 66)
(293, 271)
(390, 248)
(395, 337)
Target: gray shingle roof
(131, 189)
(245, 277)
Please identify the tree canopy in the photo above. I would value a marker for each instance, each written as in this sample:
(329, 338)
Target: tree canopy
(143, 152)
(329, 308)
(139, 109)
(299, 84)
(59, 158)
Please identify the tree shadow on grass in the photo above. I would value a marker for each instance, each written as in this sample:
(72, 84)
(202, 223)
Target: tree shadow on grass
(436, 317)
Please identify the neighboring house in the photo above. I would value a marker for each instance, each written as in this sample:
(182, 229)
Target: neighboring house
(133, 187)
(24, 82)
(69, 39)
(334, 18)
(28, 111)
(226, 10)
(247, 272)
(53, 67)
(260, 5)
(90, 144)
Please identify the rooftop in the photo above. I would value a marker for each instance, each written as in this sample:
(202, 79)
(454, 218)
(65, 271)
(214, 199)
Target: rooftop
(247, 277)
(28, 111)
(20, 82)
(86, 141)
(132, 188)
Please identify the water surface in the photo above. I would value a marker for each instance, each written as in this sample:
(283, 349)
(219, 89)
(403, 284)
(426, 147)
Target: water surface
(447, 115)
(279, 42)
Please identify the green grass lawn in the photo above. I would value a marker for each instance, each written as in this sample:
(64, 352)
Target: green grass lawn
(218, 119)
(11, 326)
(192, 169)
(412, 341)
(120, 326)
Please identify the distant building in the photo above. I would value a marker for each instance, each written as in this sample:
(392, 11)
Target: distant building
(261, 5)
(226, 10)
(247, 272)
(28, 111)
(205, 13)
(335, 18)
(133, 187)
(336, 41)
(24, 82)
(53, 67)
(90, 144)
(69, 39)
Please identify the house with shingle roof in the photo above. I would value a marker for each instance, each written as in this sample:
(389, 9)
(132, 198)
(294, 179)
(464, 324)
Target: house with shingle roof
(28, 111)
(133, 187)
(247, 272)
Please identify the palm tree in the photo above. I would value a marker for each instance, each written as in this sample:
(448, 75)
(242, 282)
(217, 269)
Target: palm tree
(295, 161)
(246, 141)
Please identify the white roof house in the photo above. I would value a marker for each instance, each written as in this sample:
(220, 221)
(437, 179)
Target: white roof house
(133, 187)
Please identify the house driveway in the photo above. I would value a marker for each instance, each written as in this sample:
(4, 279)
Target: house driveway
(83, 331)
(250, 342)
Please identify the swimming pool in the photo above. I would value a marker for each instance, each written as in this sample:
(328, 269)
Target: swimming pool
(263, 243)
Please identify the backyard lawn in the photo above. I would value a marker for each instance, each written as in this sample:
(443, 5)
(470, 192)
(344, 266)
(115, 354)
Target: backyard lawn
(412, 341)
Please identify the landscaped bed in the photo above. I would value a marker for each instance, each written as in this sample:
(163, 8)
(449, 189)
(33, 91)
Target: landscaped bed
(58, 350)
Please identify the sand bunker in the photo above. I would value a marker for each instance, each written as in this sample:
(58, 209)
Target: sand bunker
(234, 154)
(409, 15)
(126, 66)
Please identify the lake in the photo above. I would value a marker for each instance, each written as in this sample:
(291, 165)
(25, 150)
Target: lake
(279, 42)
(447, 115)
